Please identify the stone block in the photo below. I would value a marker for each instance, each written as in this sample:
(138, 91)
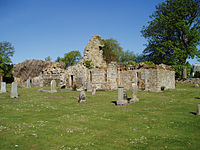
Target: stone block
(3, 87)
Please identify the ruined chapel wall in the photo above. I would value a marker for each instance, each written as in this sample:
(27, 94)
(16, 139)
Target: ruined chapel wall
(97, 78)
(76, 75)
(151, 80)
(166, 78)
(112, 77)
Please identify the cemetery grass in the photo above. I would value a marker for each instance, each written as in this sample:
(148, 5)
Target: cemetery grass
(52, 121)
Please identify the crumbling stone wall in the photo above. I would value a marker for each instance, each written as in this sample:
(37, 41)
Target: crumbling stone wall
(93, 52)
(54, 71)
(165, 78)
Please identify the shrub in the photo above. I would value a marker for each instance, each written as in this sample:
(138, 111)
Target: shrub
(163, 88)
(88, 64)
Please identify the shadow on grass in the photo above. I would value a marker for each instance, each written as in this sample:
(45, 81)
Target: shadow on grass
(197, 97)
(194, 113)
(115, 102)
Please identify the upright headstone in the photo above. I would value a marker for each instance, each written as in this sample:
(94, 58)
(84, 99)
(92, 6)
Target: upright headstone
(28, 83)
(14, 93)
(94, 91)
(196, 85)
(198, 109)
(121, 100)
(3, 87)
(89, 86)
(134, 95)
(53, 86)
(82, 97)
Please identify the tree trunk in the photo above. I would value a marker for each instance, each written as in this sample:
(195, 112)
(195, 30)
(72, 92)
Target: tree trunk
(184, 73)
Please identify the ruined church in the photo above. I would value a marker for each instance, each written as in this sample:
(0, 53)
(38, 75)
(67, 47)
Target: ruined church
(99, 74)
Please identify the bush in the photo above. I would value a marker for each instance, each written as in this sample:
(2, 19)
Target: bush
(88, 64)
(163, 88)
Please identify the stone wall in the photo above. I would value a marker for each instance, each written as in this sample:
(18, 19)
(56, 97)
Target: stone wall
(165, 78)
(54, 71)
(188, 81)
(112, 76)
(93, 52)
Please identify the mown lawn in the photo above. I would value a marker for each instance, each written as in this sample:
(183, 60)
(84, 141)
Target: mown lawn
(46, 121)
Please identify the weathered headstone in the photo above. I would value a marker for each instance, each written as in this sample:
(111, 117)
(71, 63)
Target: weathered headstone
(198, 109)
(89, 86)
(14, 93)
(82, 97)
(121, 100)
(53, 86)
(94, 91)
(134, 95)
(196, 85)
(28, 83)
(3, 87)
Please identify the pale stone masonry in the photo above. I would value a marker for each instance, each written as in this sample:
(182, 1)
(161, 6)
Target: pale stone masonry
(104, 76)
(3, 87)
(14, 91)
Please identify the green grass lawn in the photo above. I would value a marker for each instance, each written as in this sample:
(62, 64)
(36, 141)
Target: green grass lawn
(52, 121)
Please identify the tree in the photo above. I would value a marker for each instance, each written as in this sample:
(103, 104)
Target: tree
(6, 51)
(111, 50)
(71, 58)
(127, 56)
(173, 34)
(48, 58)
(58, 59)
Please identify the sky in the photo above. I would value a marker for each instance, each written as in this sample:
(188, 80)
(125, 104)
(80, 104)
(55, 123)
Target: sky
(41, 28)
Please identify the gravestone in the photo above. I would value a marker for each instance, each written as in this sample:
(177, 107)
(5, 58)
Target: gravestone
(82, 97)
(134, 95)
(121, 100)
(94, 91)
(14, 93)
(3, 87)
(28, 83)
(89, 86)
(198, 109)
(196, 85)
(53, 86)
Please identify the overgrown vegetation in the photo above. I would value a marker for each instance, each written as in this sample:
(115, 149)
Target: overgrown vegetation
(88, 64)
(163, 120)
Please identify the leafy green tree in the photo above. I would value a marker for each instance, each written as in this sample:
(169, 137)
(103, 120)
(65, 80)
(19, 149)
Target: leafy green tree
(111, 50)
(58, 59)
(71, 58)
(173, 34)
(127, 56)
(6, 52)
(48, 58)
(140, 58)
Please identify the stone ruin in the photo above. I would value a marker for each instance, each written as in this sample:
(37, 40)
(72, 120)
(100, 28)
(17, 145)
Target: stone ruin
(100, 75)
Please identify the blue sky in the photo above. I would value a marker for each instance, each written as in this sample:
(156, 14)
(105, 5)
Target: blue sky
(41, 28)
